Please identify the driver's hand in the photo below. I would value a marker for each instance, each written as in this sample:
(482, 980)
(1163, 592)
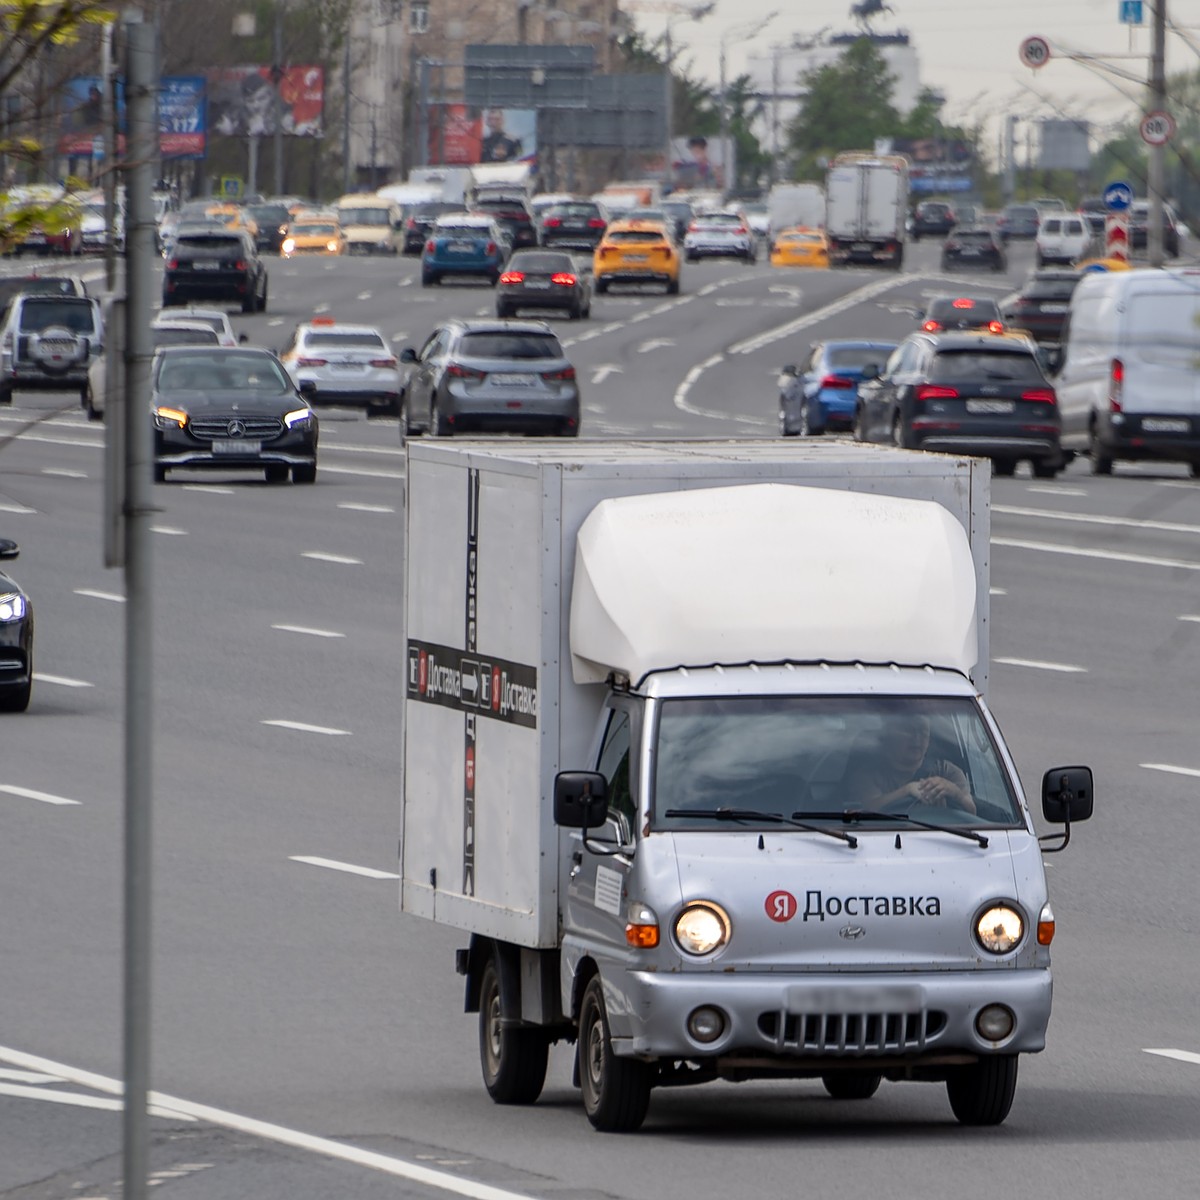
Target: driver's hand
(939, 792)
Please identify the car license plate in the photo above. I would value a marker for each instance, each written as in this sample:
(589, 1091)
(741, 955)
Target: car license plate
(206, 266)
(537, 283)
(236, 447)
(990, 406)
(1164, 425)
(504, 380)
(862, 246)
(635, 258)
(964, 253)
(460, 247)
(1055, 308)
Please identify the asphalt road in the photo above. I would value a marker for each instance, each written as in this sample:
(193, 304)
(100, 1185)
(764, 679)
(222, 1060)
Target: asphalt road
(287, 988)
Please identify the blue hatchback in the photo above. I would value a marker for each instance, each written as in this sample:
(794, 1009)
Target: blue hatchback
(822, 393)
(463, 244)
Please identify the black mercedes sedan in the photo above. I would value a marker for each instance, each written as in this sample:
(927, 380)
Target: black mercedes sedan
(16, 638)
(227, 409)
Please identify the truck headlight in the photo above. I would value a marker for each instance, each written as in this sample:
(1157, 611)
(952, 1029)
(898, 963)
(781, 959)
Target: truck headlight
(702, 928)
(12, 606)
(999, 929)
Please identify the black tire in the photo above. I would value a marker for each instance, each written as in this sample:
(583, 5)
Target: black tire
(1102, 463)
(276, 473)
(305, 473)
(616, 1091)
(673, 287)
(429, 279)
(1003, 466)
(513, 1060)
(859, 429)
(1194, 470)
(6, 393)
(160, 474)
(439, 426)
(89, 407)
(574, 313)
(982, 1093)
(852, 1085)
(503, 312)
(900, 436)
(262, 304)
(250, 302)
(1045, 468)
(601, 287)
(16, 699)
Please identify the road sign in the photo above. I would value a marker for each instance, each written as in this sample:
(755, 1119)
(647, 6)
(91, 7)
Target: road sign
(97, 147)
(1116, 236)
(1157, 128)
(1130, 12)
(1035, 52)
(1118, 196)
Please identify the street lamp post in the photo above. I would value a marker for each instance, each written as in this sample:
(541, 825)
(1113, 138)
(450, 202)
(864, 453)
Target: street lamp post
(697, 13)
(739, 33)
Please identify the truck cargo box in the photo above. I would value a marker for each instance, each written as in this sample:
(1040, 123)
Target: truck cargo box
(492, 710)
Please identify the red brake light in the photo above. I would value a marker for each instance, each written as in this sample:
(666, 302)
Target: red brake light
(322, 321)
(595, 223)
(931, 391)
(172, 264)
(240, 265)
(513, 277)
(311, 362)
(995, 327)
(565, 375)
(963, 302)
(383, 362)
(1116, 384)
(430, 247)
(490, 248)
(552, 222)
(412, 222)
(563, 279)
(1040, 395)
(931, 326)
(836, 381)
(457, 372)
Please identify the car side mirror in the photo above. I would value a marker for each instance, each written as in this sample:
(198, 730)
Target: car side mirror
(580, 799)
(870, 371)
(8, 548)
(243, 339)
(790, 369)
(308, 387)
(408, 355)
(1066, 797)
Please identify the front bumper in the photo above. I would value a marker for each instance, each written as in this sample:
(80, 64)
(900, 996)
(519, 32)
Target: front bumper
(177, 448)
(823, 1017)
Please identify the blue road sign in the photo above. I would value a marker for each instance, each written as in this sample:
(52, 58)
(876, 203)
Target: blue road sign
(1130, 12)
(1118, 197)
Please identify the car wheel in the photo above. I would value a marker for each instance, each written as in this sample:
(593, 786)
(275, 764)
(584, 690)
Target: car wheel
(513, 1059)
(851, 1085)
(616, 1091)
(440, 427)
(900, 437)
(587, 312)
(6, 393)
(982, 1093)
(428, 279)
(1045, 468)
(249, 303)
(160, 474)
(305, 473)
(1003, 466)
(262, 304)
(673, 287)
(276, 473)
(89, 406)
(601, 286)
(16, 699)
(503, 311)
(1102, 463)
(859, 429)
(805, 429)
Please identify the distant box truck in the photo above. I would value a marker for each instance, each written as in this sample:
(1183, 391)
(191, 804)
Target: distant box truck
(696, 751)
(866, 206)
(795, 205)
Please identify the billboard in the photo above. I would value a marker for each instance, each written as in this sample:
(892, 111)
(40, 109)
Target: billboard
(181, 117)
(702, 162)
(181, 125)
(244, 101)
(942, 164)
(463, 136)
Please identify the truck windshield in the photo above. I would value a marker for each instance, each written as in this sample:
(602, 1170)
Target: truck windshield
(813, 758)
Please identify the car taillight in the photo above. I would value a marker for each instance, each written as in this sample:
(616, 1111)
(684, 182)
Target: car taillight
(1116, 384)
(742, 229)
(931, 391)
(1040, 395)
(172, 264)
(837, 381)
(412, 222)
(595, 223)
(430, 247)
(995, 327)
(963, 302)
(693, 228)
(457, 372)
(513, 277)
(383, 362)
(311, 362)
(490, 248)
(240, 265)
(551, 223)
(563, 279)
(931, 326)
(564, 376)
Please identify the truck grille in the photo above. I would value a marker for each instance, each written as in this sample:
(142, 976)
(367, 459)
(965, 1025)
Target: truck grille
(850, 1033)
(208, 427)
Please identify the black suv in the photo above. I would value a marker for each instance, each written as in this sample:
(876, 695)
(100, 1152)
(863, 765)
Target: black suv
(576, 224)
(48, 342)
(1139, 225)
(215, 263)
(419, 220)
(933, 217)
(273, 221)
(1042, 304)
(966, 393)
(511, 212)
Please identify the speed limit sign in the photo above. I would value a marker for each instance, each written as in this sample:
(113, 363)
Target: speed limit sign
(1157, 128)
(1035, 52)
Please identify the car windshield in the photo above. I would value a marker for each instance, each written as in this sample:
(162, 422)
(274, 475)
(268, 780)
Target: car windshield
(373, 341)
(38, 314)
(951, 365)
(510, 345)
(573, 210)
(445, 229)
(976, 237)
(269, 214)
(1051, 289)
(364, 216)
(964, 311)
(222, 372)
(325, 229)
(803, 756)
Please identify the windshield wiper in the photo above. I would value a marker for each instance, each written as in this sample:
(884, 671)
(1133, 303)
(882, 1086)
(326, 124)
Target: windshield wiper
(871, 814)
(751, 814)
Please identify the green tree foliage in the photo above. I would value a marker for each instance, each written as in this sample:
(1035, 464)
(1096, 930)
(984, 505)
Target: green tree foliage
(29, 27)
(743, 108)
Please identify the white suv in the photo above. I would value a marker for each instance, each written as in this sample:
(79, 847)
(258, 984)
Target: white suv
(1062, 239)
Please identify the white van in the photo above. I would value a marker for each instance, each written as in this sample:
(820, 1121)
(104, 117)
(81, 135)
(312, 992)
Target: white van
(1127, 380)
(1062, 238)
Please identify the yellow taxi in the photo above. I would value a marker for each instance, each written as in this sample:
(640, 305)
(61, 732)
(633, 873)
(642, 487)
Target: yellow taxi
(636, 252)
(234, 216)
(800, 247)
(311, 234)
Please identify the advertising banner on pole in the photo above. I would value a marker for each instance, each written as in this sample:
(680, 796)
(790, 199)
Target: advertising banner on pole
(181, 116)
(463, 136)
(244, 101)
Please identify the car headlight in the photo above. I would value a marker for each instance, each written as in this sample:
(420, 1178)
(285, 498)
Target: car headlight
(12, 606)
(331, 246)
(167, 418)
(999, 929)
(702, 928)
(297, 417)
(289, 244)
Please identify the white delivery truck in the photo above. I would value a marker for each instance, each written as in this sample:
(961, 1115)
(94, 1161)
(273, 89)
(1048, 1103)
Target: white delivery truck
(696, 750)
(794, 205)
(866, 206)
(450, 183)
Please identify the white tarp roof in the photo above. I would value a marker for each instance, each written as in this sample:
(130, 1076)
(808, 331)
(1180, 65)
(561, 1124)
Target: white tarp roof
(769, 573)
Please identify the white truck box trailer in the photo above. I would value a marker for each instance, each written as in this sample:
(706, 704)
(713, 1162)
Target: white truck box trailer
(866, 206)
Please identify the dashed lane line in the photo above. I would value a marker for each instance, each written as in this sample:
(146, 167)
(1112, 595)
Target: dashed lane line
(333, 865)
(11, 789)
(80, 1100)
(1170, 769)
(17, 508)
(1142, 560)
(168, 530)
(1040, 665)
(93, 594)
(360, 472)
(1187, 1056)
(351, 506)
(209, 489)
(322, 633)
(64, 473)
(341, 559)
(1046, 514)
(1056, 491)
(62, 680)
(301, 727)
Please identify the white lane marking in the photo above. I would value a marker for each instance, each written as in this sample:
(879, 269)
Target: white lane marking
(58, 441)
(325, 633)
(1187, 1056)
(407, 282)
(1145, 560)
(371, 508)
(997, 591)
(1171, 770)
(210, 489)
(654, 344)
(355, 448)
(62, 680)
(16, 508)
(168, 530)
(604, 370)
(321, 308)
(349, 868)
(363, 296)
(92, 594)
(301, 727)
(275, 321)
(30, 794)
(29, 1077)
(79, 1100)
(361, 472)
(399, 335)
(321, 556)
(1190, 617)
(64, 473)
(1039, 665)
(1056, 491)
(1046, 514)
(383, 1163)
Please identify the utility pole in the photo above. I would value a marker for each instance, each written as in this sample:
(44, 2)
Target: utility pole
(276, 79)
(346, 110)
(1158, 103)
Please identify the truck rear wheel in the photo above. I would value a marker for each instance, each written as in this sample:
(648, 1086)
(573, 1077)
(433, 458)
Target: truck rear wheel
(616, 1091)
(851, 1085)
(982, 1094)
(513, 1059)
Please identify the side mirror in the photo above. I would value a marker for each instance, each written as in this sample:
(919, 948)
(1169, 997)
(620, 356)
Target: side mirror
(308, 387)
(1067, 794)
(870, 371)
(408, 355)
(8, 548)
(243, 339)
(789, 369)
(580, 799)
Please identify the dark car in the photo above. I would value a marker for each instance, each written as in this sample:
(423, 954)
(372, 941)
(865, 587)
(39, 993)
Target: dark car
(510, 210)
(1018, 221)
(215, 264)
(419, 220)
(1094, 211)
(1042, 304)
(273, 221)
(544, 279)
(215, 407)
(16, 638)
(966, 393)
(490, 375)
(1139, 224)
(976, 247)
(962, 312)
(822, 393)
(933, 218)
(578, 224)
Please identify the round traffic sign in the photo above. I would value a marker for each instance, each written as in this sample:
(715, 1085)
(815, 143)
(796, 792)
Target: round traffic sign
(1035, 52)
(1157, 128)
(1118, 196)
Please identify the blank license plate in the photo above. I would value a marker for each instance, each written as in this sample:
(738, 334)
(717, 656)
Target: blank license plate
(513, 380)
(236, 447)
(537, 283)
(635, 258)
(461, 247)
(1054, 308)
(1164, 425)
(990, 406)
(206, 266)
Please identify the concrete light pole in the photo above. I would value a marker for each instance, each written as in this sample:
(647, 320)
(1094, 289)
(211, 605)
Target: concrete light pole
(739, 33)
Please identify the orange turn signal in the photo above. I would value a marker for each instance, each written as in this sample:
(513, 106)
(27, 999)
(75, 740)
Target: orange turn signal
(1045, 934)
(642, 937)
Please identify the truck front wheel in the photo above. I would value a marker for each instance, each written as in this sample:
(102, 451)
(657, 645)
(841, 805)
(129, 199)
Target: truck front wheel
(982, 1093)
(616, 1091)
(513, 1059)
